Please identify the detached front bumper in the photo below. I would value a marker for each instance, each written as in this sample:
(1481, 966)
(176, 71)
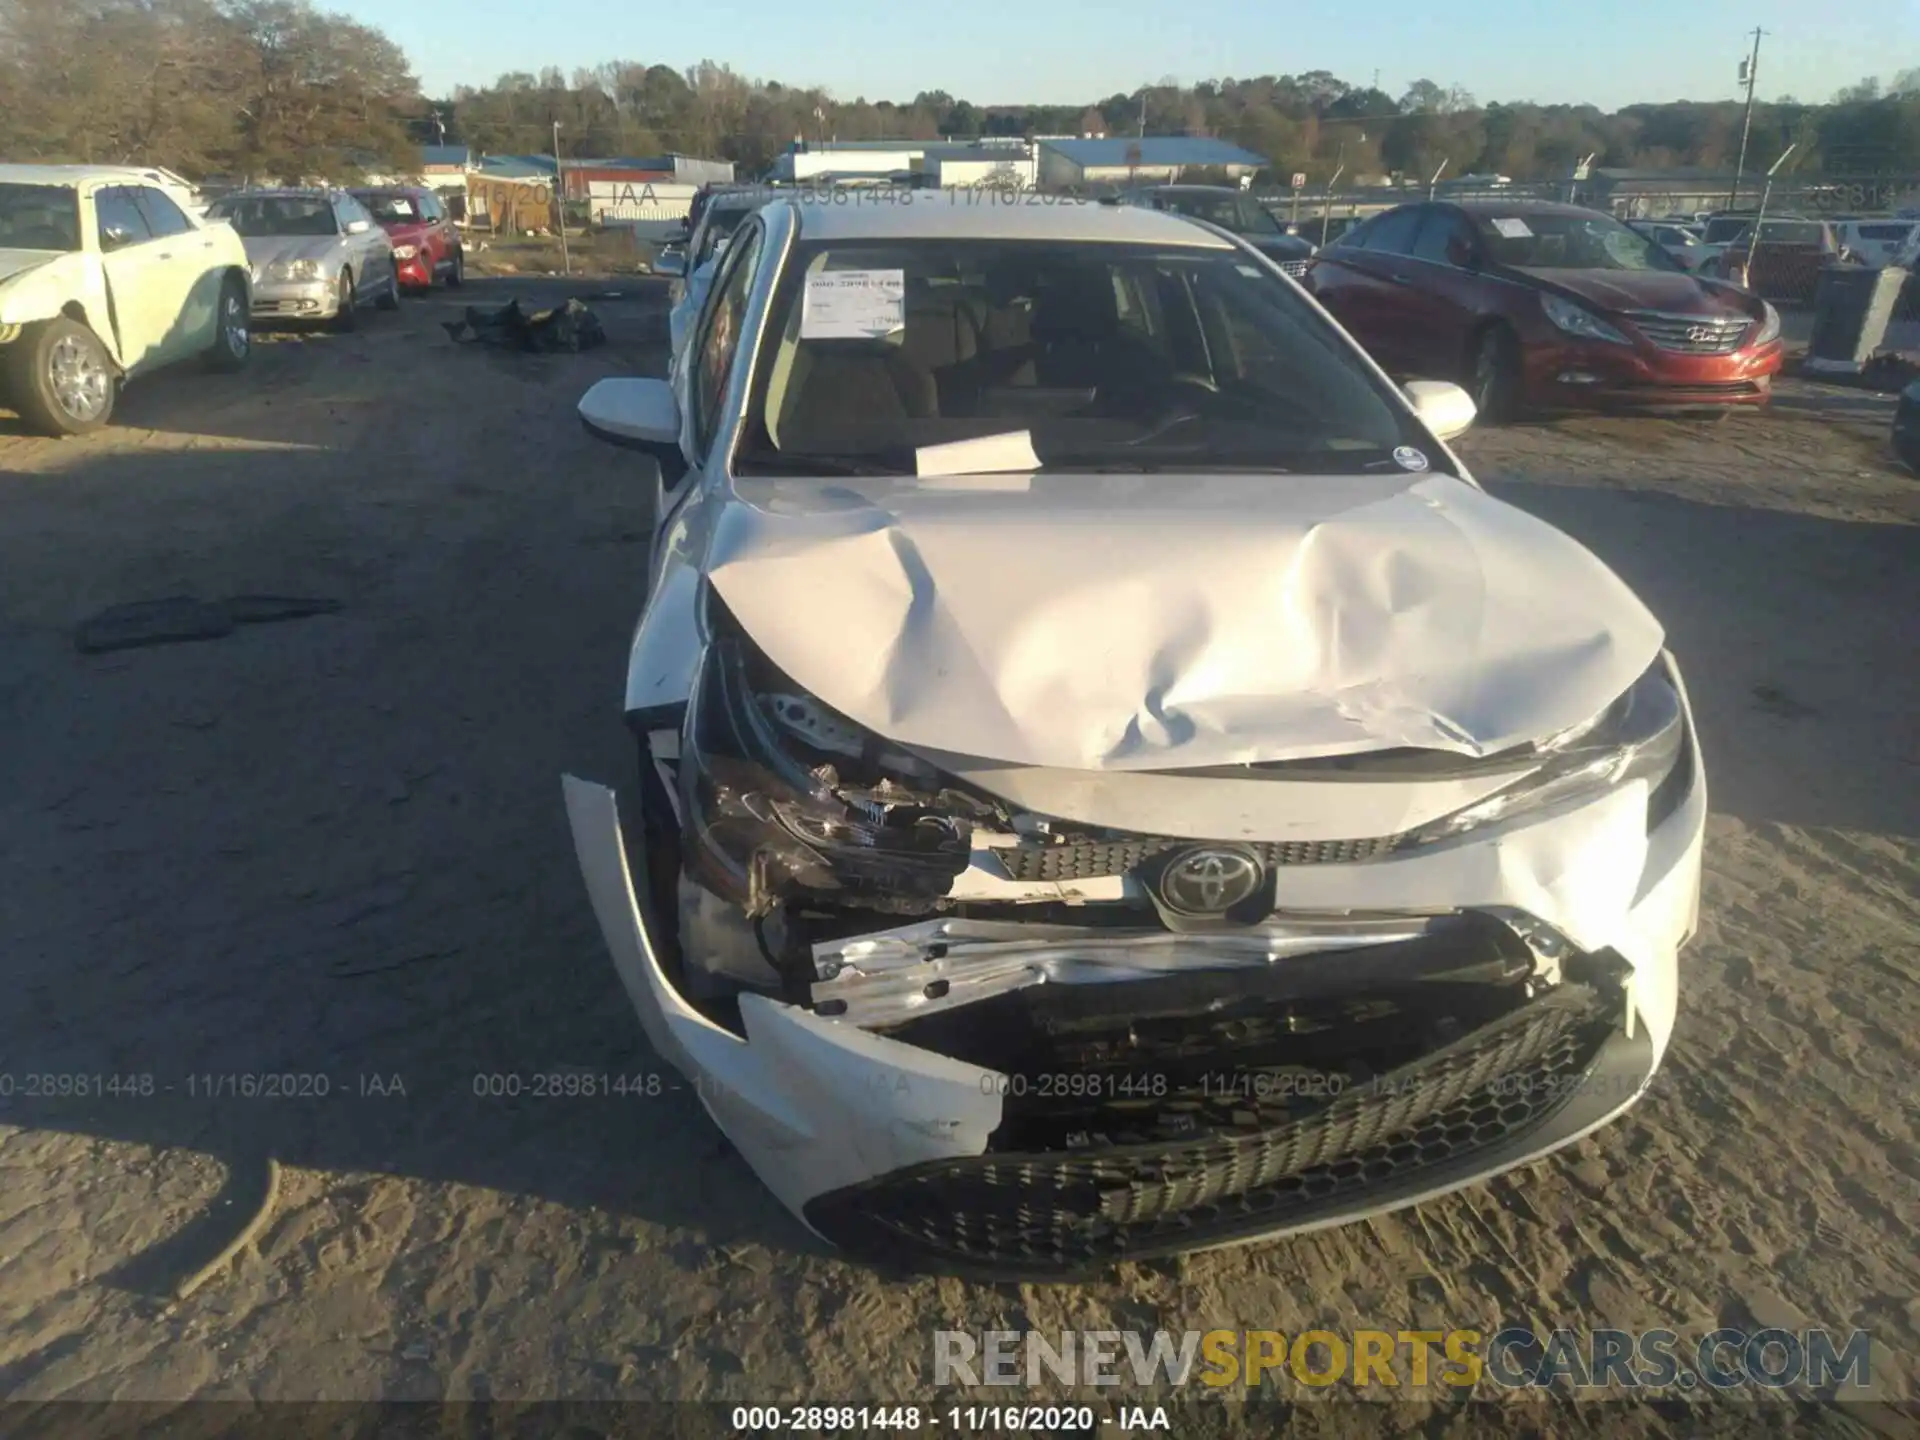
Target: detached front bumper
(903, 1155)
(295, 300)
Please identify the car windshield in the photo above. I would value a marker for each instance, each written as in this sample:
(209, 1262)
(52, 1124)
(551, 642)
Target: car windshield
(1237, 213)
(1792, 232)
(389, 208)
(39, 217)
(1584, 241)
(1725, 232)
(1101, 357)
(264, 215)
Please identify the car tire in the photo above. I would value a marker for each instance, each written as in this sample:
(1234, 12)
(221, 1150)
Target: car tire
(60, 378)
(1493, 374)
(457, 269)
(232, 336)
(390, 297)
(347, 316)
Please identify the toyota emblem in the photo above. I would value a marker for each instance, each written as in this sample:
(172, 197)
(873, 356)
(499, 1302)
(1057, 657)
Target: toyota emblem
(1209, 882)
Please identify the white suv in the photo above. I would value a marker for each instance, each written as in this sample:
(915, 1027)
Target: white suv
(104, 276)
(1878, 242)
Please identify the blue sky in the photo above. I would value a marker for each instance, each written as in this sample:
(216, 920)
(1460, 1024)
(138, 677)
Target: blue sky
(1046, 51)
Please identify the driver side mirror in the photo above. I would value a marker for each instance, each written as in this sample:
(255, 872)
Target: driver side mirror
(1443, 407)
(671, 261)
(641, 415)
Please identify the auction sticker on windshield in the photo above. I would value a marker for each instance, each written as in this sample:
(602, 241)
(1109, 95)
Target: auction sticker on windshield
(1513, 228)
(1408, 458)
(854, 305)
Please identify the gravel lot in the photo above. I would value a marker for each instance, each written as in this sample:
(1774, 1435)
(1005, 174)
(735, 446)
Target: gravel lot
(334, 850)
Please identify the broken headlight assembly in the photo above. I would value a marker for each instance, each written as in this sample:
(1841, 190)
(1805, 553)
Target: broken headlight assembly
(1641, 736)
(783, 797)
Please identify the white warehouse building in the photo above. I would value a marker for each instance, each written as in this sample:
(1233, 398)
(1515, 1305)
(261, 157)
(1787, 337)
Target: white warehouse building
(943, 162)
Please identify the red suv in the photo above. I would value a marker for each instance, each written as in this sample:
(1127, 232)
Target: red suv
(1534, 305)
(426, 243)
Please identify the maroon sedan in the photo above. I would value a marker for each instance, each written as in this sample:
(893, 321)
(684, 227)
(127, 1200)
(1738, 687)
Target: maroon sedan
(1540, 306)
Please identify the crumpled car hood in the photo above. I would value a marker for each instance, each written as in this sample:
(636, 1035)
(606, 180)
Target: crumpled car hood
(1134, 622)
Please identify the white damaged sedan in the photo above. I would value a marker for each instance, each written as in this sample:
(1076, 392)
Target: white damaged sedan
(1110, 782)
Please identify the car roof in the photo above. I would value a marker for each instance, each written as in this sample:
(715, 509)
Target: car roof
(1517, 208)
(74, 174)
(956, 215)
(312, 192)
(1187, 190)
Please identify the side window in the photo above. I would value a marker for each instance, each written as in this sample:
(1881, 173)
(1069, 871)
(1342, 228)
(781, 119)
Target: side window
(120, 220)
(1438, 235)
(163, 217)
(1355, 237)
(1393, 233)
(720, 339)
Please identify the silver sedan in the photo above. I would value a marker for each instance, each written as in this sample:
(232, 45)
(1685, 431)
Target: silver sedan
(315, 254)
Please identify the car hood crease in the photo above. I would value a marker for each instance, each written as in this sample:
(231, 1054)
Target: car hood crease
(1135, 622)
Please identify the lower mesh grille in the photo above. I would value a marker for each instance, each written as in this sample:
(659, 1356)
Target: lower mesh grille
(1088, 860)
(1064, 1212)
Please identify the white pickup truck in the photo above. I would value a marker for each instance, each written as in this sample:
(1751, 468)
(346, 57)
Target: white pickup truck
(104, 276)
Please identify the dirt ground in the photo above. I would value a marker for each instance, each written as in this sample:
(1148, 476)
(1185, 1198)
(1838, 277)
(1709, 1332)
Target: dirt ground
(334, 850)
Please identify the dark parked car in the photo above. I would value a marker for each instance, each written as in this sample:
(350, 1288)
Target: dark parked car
(1906, 427)
(1233, 210)
(1534, 305)
(1787, 264)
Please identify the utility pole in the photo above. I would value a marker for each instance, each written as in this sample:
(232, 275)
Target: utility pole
(1750, 72)
(1143, 114)
(560, 201)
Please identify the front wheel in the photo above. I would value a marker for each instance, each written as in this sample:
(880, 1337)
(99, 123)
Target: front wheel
(60, 378)
(232, 340)
(457, 271)
(1496, 374)
(346, 315)
(390, 297)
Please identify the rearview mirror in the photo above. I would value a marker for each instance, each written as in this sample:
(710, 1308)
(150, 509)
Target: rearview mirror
(359, 227)
(671, 262)
(1443, 407)
(637, 414)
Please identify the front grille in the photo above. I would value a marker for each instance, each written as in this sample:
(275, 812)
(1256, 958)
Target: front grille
(1057, 1213)
(1091, 860)
(285, 307)
(1692, 334)
(1295, 268)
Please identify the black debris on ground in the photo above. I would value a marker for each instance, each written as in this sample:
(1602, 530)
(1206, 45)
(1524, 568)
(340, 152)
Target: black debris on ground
(181, 618)
(565, 329)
